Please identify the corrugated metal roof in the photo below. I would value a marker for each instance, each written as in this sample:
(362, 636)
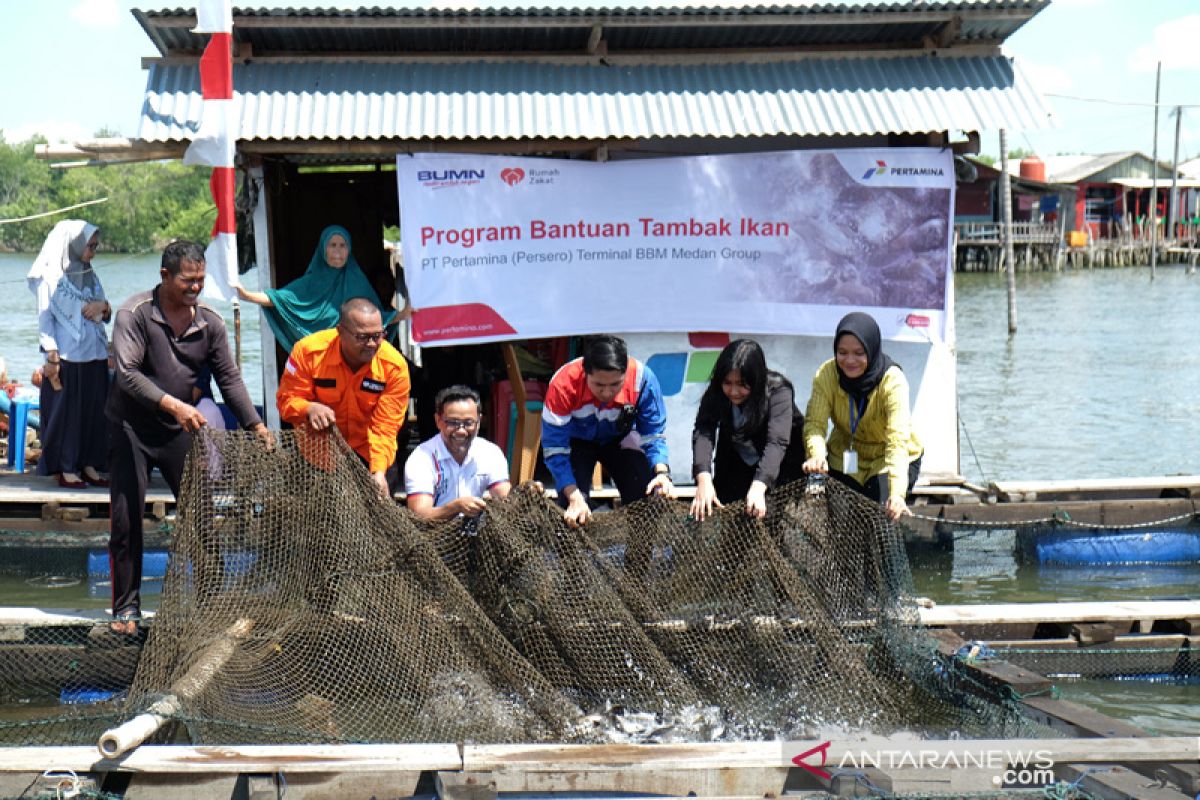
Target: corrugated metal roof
(511, 100)
(492, 27)
(1102, 168)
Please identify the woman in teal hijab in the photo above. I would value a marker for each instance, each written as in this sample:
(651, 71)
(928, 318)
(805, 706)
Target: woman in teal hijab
(311, 302)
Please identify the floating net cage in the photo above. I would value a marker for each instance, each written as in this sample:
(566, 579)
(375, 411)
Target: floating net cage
(301, 607)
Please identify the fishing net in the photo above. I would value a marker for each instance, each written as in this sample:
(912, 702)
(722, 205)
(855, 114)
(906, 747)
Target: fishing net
(300, 606)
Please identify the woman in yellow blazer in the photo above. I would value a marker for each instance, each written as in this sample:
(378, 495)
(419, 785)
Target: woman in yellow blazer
(864, 393)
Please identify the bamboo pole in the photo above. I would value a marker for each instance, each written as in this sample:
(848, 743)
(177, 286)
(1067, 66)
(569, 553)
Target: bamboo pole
(1006, 232)
(123, 738)
(1173, 205)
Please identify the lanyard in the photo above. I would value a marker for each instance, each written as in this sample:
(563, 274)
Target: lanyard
(856, 414)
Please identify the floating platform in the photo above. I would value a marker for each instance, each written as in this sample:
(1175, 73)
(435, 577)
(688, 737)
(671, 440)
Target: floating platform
(1107, 757)
(34, 509)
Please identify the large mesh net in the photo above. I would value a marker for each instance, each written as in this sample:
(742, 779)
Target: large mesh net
(300, 606)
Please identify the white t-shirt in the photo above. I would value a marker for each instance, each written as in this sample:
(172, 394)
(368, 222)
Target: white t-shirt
(432, 470)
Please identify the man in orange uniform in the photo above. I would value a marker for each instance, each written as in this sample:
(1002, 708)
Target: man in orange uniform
(350, 377)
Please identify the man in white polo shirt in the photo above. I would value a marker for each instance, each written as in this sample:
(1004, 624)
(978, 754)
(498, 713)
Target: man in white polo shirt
(452, 473)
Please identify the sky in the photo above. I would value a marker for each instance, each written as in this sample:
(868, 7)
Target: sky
(73, 67)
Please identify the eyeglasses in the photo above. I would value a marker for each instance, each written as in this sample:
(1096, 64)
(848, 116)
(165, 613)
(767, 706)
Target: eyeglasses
(460, 424)
(367, 338)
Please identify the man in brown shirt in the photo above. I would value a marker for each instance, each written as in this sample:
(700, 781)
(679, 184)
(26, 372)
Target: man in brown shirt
(162, 340)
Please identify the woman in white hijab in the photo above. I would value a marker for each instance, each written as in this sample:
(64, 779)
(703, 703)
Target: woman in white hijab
(72, 312)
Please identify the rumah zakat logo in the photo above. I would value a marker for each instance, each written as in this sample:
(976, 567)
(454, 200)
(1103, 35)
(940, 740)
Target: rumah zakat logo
(879, 168)
(916, 321)
(512, 175)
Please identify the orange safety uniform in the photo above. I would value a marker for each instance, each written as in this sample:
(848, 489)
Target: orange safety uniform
(370, 404)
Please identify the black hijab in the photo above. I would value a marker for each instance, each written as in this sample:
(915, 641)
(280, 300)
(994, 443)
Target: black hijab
(864, 328)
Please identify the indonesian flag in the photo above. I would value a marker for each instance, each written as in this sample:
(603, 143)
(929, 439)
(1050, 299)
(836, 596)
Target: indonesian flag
(214, 143)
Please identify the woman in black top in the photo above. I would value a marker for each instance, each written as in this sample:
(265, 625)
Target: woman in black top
(749, 415)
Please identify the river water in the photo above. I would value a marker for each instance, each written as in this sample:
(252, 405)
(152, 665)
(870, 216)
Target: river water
(1102, 379)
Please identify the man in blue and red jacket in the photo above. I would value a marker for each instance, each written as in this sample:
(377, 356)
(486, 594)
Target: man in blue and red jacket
(604, 407)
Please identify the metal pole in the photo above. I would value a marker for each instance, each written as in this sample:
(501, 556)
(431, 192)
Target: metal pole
(1154, 178)
(1010, 261)
(1173, 209)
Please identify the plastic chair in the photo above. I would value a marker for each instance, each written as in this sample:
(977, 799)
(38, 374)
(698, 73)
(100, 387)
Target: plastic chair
(18, 421)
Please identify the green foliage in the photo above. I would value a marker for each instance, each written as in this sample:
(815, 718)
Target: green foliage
(148, 204)
(1014, 157)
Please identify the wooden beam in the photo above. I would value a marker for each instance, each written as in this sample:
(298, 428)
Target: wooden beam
(1102, 513)
(1094, 485)
(390, 148)
(111, 150)
(672, 57)
(1114, 782)
(240, 758)
(739, 755)
(1001, 613)
(595, 37)
(945, 35)
(1077, 720)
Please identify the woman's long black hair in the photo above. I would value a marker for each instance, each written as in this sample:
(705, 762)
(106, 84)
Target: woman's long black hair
(746, 356)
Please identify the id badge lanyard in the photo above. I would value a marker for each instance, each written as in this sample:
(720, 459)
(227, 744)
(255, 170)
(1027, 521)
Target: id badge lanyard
(857, 409)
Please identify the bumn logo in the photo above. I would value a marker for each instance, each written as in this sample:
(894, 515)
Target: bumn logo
(450, 175)
(512, 175)
(879, 168)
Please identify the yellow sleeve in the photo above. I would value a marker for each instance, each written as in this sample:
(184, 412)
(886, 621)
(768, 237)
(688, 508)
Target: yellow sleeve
(897, 431)
(816, 417)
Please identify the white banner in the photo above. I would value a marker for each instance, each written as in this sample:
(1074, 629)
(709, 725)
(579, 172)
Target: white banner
(497, 247)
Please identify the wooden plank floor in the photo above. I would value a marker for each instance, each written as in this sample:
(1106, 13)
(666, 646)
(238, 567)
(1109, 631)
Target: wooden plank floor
(1008, 613)
(27, 488)
(1123, 486)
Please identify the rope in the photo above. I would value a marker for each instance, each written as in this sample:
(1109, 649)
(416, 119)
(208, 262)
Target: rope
(971, 446)
(1057, 518)
(55, 211)
(1050, 691)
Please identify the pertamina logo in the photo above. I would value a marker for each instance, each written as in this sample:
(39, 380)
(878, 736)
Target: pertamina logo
(445, 178)
(879, 168)
(512, 175)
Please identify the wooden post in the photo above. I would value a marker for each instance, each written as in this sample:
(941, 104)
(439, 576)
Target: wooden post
(528, 435)
(1006, 232)
(1154, 178)
(237, 333)
(266, 272)
(1173, 205)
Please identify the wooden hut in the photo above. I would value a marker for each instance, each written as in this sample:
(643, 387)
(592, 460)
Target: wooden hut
(1112, 192)
(326, 98)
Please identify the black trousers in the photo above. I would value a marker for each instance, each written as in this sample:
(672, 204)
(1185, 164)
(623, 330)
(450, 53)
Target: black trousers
(629, 469)
(877, 486)
(131, 456)
(732, 476)
(74, 429)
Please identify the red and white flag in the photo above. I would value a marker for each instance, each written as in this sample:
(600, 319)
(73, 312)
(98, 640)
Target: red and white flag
(215, 142)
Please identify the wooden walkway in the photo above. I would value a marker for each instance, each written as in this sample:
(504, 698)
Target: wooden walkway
(1111, 758)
